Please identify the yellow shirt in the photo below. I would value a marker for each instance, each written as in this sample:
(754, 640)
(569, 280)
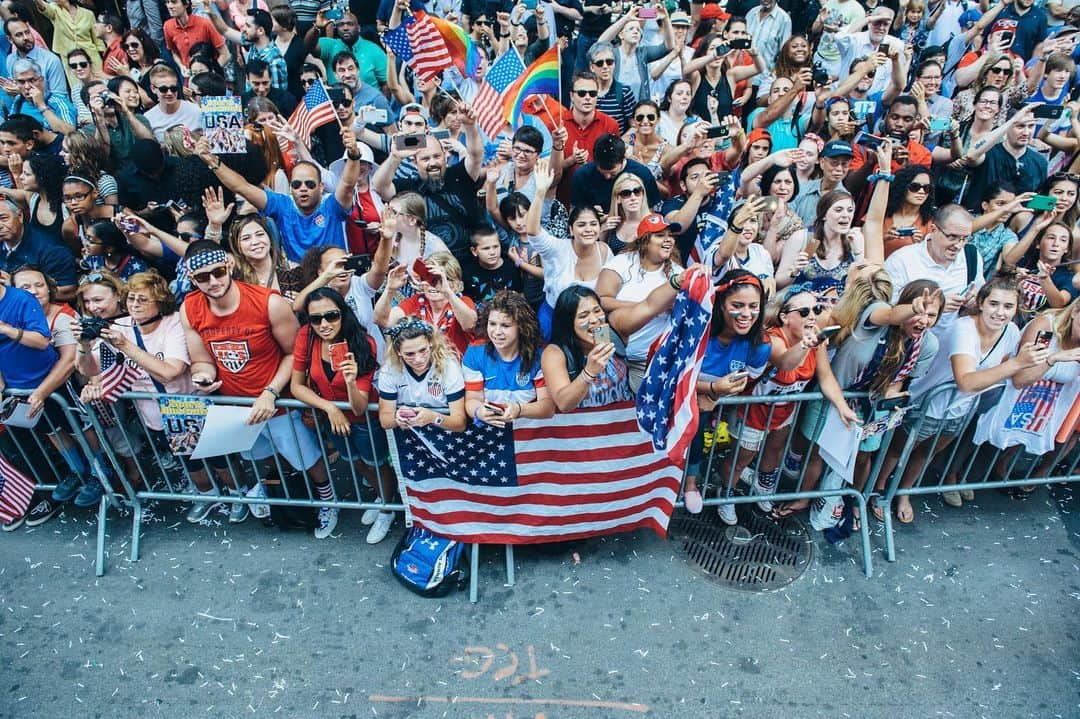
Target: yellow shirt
(70, 33)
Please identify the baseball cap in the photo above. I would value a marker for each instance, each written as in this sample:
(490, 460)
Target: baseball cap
(970, 17)
(714, 12)
(655, 223)
(680, 18)
(415, 107)
(365, 153)
(837, 148)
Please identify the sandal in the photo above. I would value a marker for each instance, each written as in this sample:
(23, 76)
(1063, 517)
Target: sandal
(905, 513)
(878, 512)
(783, 511)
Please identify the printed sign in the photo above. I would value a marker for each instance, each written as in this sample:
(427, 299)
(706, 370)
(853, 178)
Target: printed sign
(182, 418)
(223, 124)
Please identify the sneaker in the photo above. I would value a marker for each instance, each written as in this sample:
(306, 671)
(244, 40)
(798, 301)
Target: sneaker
(369, 517)
(381, 528)
(727, 512)
(967, 495)
(747, 476)
(67, 489)
(200, 510)
(327, 521)
(168, 462)
(952, 499)
(90, 494)
(259, 511)
(792, 466)
(238, 513)
(693, 501)
(760, 487)
(42, 512)
(13, 524)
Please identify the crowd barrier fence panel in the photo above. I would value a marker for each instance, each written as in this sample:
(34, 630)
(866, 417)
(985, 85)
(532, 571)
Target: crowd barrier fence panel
(951, 461)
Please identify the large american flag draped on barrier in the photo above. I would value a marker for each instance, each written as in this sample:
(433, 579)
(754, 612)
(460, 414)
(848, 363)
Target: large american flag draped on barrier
(667, 398)
(581, 474)
(16, 489)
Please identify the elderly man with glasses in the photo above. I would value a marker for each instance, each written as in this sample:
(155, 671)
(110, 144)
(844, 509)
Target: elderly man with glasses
(53, 110)
(23, 47)
(21, 245)
(854, 42)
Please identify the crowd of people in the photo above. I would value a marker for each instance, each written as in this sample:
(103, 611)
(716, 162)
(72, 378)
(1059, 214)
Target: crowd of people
(885, 194)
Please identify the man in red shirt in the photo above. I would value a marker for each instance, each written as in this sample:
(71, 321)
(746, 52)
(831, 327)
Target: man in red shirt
(240, 338)
(900, 120)
(584, 124)
(184, 30)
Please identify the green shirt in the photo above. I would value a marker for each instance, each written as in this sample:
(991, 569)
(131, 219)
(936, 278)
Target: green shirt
(121, 139)
(370, 58)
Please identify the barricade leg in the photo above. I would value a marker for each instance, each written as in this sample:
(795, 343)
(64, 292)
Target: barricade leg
(509, 565)
(864, 535)
(136, 527)
(102, 517)
(474, 570)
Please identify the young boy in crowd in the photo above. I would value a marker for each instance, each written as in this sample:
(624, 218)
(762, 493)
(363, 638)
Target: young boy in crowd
(488, 272)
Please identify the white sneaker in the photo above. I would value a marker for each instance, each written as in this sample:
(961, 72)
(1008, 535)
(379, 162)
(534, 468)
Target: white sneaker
(727, 512)
(759, 487)
(327, 522)
(369, 517)
(259, 511)
(380, 528)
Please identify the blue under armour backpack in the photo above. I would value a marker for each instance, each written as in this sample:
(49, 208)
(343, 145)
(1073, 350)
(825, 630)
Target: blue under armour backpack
(429, 565)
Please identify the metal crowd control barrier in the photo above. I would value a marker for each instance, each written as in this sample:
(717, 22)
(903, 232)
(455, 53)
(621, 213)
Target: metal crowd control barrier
(34, 456)
(799, 492)
(179, 487)
(959, 458)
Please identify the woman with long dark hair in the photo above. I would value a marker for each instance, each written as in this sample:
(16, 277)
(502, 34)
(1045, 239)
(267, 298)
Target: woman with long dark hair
(320, 377)
(39, 188)
(909, 207)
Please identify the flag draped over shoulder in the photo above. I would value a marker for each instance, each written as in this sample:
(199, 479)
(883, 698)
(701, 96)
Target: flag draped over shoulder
(667, 399)
(16, 489)
(581, 474)
(418, 43)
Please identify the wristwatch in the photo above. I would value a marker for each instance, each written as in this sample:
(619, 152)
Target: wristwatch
(438, 419)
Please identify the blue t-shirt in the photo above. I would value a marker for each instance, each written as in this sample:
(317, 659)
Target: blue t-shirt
(300, 232)
(784, 135)
(738, 355)
(499, 380)
(24, 367)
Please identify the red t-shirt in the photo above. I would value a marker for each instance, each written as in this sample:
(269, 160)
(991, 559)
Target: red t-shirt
(362, 241)
(917, 155)
(418, 306)
(181, 39)
(327, 388)
(241, 344)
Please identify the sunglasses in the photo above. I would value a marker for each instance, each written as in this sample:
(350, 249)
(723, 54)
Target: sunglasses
(482, 22)
(605, 62)
(1006, 71)
(630, 192)
(645, 117)
(203, 277)
(307, 83)
(804, 312)
(331, 316)
(166, 89)
(297, 184)
(78, 65)
(189, 236)
(132, 45)
(586, 93)
(91, 278)
(341, 101)
(1070, 176)
(919, 186)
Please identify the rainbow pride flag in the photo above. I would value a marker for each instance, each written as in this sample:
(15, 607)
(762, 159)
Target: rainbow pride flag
(463, 50)
(540, 78)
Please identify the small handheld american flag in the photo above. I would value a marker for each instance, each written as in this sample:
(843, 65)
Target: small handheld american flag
(418, 43)
(118, 375)
(314, 111)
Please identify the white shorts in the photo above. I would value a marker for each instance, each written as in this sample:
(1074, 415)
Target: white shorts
(289, 437)
(752, 440)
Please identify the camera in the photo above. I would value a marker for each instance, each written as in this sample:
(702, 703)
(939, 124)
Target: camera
(92, 327)
(722, 50)
(821, 75)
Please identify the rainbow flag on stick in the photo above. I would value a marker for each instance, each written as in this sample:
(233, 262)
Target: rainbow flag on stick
(463, 50)
(540, 78)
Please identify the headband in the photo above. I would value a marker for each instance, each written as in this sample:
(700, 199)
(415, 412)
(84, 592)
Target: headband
(409, 323)
(205, 259)
(80, 178)
(746, 279)
(816, 139)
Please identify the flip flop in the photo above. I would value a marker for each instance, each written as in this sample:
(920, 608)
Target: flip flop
(782, 512)
(906, 517)
(878, 512)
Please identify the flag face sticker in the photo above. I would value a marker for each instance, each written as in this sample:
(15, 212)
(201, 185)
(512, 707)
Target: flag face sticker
(1034, 407)
(233, 356)
(581, 474)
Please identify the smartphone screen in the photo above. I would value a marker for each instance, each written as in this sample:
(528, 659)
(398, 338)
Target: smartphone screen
(1043, 337)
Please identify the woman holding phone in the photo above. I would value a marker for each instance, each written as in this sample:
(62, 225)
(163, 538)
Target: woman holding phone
(503, 377)
(1041, 261)
(421, 383)
(334, 361)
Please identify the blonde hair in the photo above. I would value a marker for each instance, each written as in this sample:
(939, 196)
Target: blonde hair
(451, 268)
(860, 294)
(626, 178)
(409, 328)
(415, 206)
(173, 142)
(154, 285)
(1062, 324)
(102, 277)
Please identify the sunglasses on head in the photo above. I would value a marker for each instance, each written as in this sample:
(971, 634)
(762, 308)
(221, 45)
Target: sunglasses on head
(331, 316)
(804, 312)
(297, 184)
(586, 93)
(919, 186)
(203, 277)
(629, 192)
(645, 117)
(78, 65)
(165, 89)
(1070, 176)
(605, 62)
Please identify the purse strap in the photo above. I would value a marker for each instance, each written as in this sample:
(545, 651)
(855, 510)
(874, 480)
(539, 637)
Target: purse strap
(139, 341)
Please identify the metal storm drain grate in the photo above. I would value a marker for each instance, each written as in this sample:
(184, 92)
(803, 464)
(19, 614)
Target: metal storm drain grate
(756, 555)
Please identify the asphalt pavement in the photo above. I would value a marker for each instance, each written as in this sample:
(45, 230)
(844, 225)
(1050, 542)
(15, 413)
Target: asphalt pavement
(979, 617)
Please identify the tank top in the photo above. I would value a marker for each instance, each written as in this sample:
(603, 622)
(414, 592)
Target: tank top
(242, 343)
(53, 229)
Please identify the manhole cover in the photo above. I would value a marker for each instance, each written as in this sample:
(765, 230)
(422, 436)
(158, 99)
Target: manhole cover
(756, 555)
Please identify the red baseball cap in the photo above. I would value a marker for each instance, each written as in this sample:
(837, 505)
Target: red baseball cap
(655, 222)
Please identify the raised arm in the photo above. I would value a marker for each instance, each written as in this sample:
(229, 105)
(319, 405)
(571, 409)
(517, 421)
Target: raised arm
(776, 110)
(230, 178)
(874, 225)
(351, 172)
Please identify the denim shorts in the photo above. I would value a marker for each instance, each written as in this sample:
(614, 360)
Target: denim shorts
(359, 443)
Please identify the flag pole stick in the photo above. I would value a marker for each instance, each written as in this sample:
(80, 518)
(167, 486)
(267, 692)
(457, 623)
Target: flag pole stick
(558, 65)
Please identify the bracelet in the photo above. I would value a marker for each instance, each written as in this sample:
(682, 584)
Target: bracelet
(881, 176)
(271, 390)
(216, 167)
(588, 374)
(676, 282)
(349, 156)
(19, 336)
(734, 228)
(559, 148)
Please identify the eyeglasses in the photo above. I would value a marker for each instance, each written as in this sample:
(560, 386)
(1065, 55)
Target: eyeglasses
(297, 184)
(132, 45)
(586, 93)
(203, 277)
(804, 312)
(307, 83)
(1006, 71)
(630, 192)
(76, 198)
(27, 80)
(962, 239)
(919, 186)
(645, 117)
(331, 316)
(139, 300)
(523, 151)
(78, 65)
(1070, 176)
(166, 89)
(988, 103)
(607, 61)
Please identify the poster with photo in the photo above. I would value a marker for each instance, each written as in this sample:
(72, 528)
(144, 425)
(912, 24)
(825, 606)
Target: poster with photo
(182, 418)
(223, 124)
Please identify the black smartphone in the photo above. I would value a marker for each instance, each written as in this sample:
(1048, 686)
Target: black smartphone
(722, 50)
(408, 142)
(888, 405)
(717, 131)
(1048, 112)
(739, 43)
(1007, 38)
(354, 263)
(905, 231)
(826, 332)
(870, 142)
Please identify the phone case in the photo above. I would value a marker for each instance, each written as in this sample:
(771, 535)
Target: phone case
(423, 273)
(338, 351)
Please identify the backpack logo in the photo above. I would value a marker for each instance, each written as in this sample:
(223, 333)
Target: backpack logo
(232, 355)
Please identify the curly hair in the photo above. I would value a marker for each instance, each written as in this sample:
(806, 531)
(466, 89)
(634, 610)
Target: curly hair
(49, 171)
(441, 353)
(899, 187)
(155, 286)
(516, 307)
(86, 152)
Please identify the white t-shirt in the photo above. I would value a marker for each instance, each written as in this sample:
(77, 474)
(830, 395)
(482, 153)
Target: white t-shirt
(758, 262)
(962, 340)
(914, 263)
(560, 264)
(166, 342)
(636, 286)
(360, 300)
(430, 390)
(188, 115)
